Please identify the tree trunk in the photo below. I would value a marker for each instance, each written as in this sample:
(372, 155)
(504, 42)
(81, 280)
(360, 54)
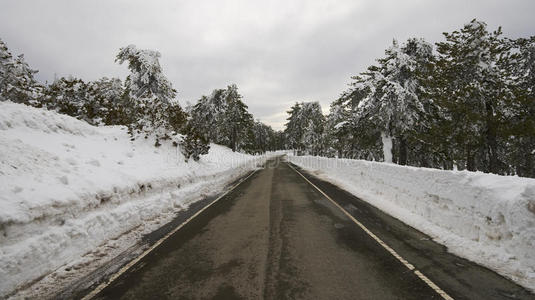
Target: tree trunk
(529, 166)
(387, 147)
(402, 151)
(233, 142)
(492, 144)
(470, 162)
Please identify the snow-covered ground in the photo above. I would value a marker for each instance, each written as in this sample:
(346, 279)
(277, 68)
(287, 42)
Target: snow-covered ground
(68, 188)
(486, 218)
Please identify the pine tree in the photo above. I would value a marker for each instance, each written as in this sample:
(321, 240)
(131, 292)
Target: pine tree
(294, 128)
(390, 94)
(224, 119)
(469, 88)
(313, 124)
(336, 130)
(177, 117)
(360, 136)
(107, 103)
(520, 111)
(263, 138)
(146, 79)
(193, 144)
(304, 129)
(237, 120)
(68, 96)
(149, 89)
(207, 115)
(17, 82)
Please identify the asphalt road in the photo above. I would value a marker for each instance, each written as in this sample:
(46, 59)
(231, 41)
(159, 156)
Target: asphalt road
(277, 237)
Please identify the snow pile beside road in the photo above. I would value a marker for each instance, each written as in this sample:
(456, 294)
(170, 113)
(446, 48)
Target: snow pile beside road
(489, 219)
(66, 187)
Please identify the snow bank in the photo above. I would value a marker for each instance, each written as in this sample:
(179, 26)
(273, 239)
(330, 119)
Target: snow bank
(489, 219)
(66, 187)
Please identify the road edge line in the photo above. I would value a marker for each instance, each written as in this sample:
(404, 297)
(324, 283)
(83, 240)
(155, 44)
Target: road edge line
(126, 267)
(409, 266)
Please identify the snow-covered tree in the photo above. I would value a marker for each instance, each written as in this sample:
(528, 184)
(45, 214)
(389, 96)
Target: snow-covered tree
(469, 87)
(223, 118)
(294, 128)
(17, 82)
(176, 117)
(304, 129)
(107, 103)
(392, 93)
(263, 138)
(336, 130)
(146, 79)
(471, 105)
(193, 145)
(149, 89)
(520, 111)
(359, 137)
(237, 119)
(207, 115)
(68, 96)
(313, 129)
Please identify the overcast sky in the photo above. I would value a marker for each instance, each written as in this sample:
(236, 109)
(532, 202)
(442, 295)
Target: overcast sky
(277, 52)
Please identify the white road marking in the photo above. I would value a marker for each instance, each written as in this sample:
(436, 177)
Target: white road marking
(125, 268)
(409, 266)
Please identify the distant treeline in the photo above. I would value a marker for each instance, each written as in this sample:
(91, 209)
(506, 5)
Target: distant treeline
(468, 104)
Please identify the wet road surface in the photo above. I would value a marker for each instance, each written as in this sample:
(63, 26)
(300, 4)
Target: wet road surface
(276, 237)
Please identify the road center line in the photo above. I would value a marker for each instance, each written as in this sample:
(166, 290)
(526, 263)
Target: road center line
(125, 268)
(409, 266)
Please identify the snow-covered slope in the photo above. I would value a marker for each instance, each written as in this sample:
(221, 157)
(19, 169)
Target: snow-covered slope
(67, 187)
(489, 219)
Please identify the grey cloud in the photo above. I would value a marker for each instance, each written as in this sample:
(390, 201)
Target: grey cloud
(278, 52)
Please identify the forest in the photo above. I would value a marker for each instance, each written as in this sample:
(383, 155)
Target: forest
(465, 103)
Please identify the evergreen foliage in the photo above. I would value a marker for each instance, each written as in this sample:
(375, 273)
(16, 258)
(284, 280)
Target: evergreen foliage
(144, 102)
(107, 103)
(264, 138)
(469, 105)
(17, 82)
(223, 118)
(193, 145)
(67, 96)
(151, 93)
(304, 130)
